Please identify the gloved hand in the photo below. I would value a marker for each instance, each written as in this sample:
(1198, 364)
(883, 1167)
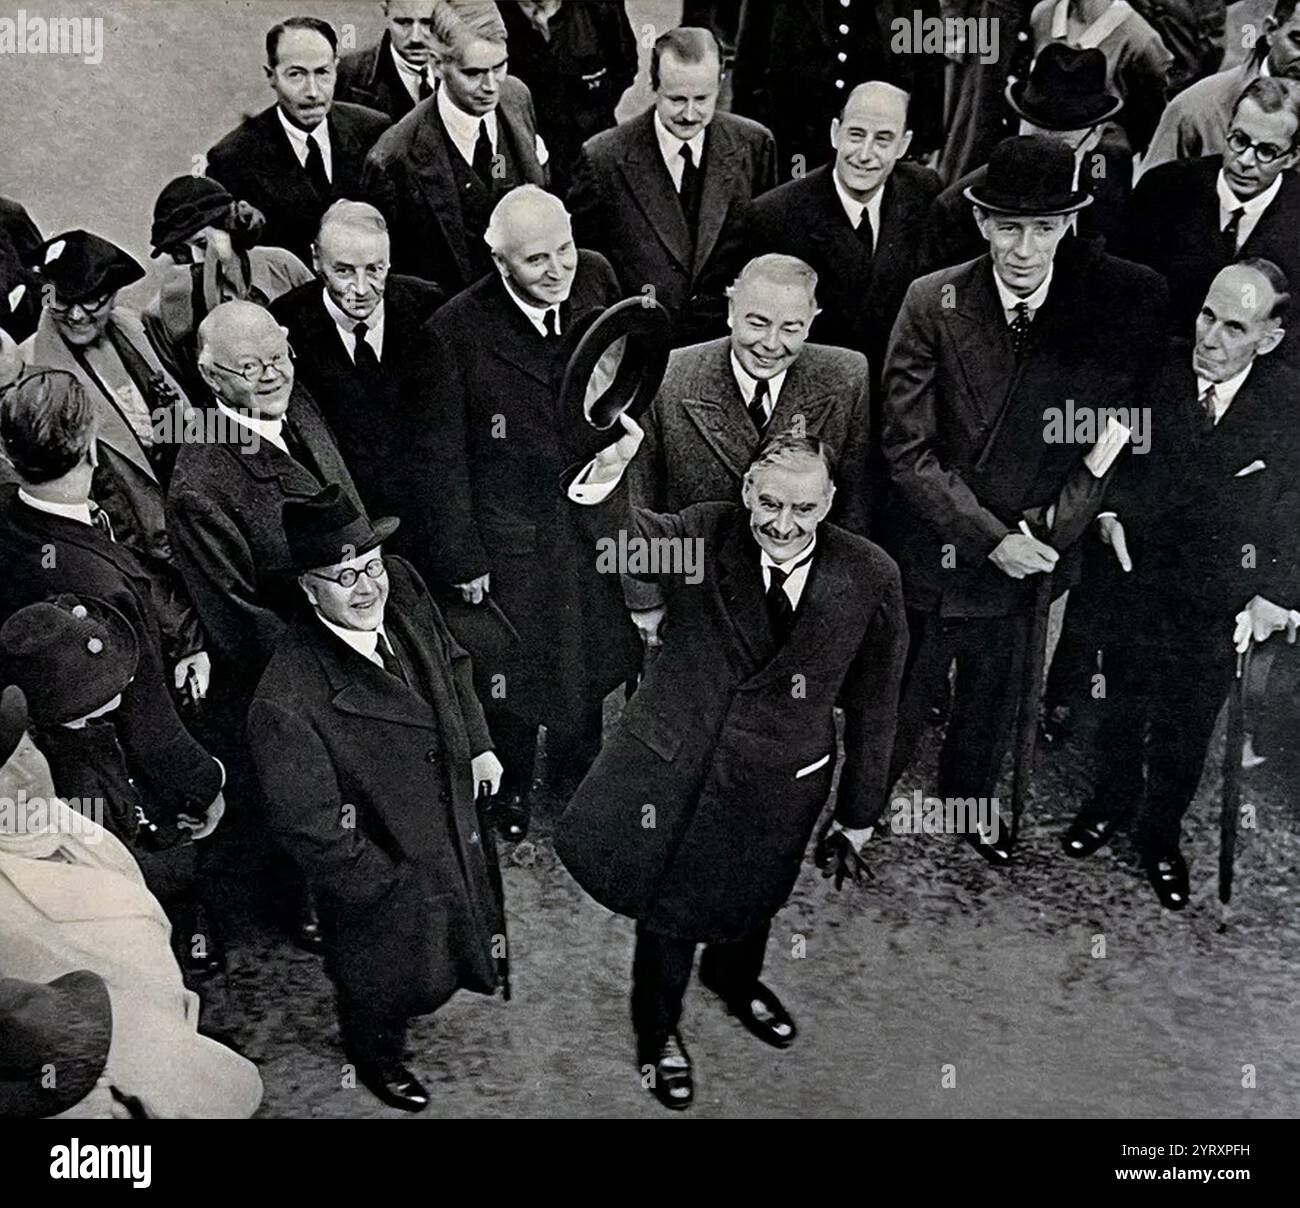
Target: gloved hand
(837, 855)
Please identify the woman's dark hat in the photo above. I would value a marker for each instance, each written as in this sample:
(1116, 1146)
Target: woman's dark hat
(63, 1029)
(13, 721)
(1065, 90)
(184, 207)
(1030, 175)
(70, 655)
(82, 266)
(616, 368)
(328, 528)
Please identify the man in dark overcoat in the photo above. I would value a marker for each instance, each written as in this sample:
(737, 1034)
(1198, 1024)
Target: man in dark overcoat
(488, 377)
(371, 747)
(696, 814)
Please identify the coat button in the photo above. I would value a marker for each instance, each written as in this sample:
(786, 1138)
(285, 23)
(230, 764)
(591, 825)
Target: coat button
(474, 837)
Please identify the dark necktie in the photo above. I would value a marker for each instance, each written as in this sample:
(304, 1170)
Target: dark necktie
(866, 234)
(389, 657)
(758, 406)
(780, 612)
(1230, 229)
(315, 167)
(550, 322)
(295, 448)
(425, 91)
(1208, 399)
(1020, 324)
(102, 521)
(482, 163)
(690, 190)
(363, 355)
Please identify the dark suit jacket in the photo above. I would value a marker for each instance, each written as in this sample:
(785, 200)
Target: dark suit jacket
(45, 555)
(385, 440)
(256, 162)
(624, 205)
(406, 888)
(489, 384)
(223, 510)
(736, 767)
(1106, 175)
(699, 439)
(967, 433)
(408, 176)
(1174, 227)
(369, 77)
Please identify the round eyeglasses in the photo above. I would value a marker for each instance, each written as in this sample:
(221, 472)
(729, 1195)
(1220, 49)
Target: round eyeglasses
(348, 576)
(92, 306)
(1265, 153)
(252, 369)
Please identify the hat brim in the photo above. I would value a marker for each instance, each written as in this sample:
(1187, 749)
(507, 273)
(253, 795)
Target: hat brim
(1016, 88)
(114, 674)
(380, 531)
(80, 1056)
(1070, 204)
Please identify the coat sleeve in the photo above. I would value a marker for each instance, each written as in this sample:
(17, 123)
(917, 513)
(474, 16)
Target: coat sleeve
(853, 490)
(221, 575)
(644, 480)
(306, 809)
(911, 424)
(869, 698)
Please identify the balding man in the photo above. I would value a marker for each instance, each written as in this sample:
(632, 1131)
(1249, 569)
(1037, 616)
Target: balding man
(437, 174)
(720, 399)
(353, 331)
(490, 364)
(656, 194)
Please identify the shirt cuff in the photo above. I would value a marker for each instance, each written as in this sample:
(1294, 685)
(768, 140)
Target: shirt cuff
(581, 491)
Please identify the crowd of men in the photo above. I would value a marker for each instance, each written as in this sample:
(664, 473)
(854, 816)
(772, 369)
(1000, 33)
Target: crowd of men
(311, 533)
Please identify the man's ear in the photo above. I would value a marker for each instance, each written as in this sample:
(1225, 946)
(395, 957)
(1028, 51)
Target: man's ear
(1270, 341)
(903, 144)
(835, 133)
(92, 452)
(270, 75)
(307, 589)
(315, 260)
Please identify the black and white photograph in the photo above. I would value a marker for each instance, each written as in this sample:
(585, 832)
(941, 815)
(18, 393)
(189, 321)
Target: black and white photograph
(651, 560)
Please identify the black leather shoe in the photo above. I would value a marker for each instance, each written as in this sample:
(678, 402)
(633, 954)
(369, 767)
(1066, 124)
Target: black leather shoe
(395, 1085)
(513, 817)
(996, 851)
(762, 1013)
(1167, 872)
(1086, 836)
(673, 1084)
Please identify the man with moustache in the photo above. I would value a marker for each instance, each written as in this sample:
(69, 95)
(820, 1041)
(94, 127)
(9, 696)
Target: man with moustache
(1210, 521)
(487, 375)
(656, 194)
(367, 713)
(720, 399)
(437, 174)
(353, 330)
(695, 816)
(979, 354)
(295, 157)
(396, 74)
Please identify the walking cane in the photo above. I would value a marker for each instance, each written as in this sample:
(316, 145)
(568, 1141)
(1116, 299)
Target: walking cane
(1031, 690)
(483, 804)
(1232, 751)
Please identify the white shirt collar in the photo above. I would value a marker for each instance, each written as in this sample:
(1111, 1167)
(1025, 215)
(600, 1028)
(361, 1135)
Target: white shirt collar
(69, 511)
(267, 429)
(748, 384)
(670, 147)
(1224, 392)
(298, 140)
(364, 641)
(1229, 201)
(1010, 300)
(462, 127)
(853, 208)
(797, 579)
(534, 313)
(410, 76)
(345, 324)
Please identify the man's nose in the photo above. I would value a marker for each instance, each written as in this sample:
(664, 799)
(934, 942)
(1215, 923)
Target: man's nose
(1024, 243)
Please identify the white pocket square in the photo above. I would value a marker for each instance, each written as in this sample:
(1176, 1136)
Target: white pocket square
(812, 767)
(1254, 468)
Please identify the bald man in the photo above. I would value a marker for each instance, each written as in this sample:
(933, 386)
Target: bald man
(489, 364)
(862, 223)
(353, 330)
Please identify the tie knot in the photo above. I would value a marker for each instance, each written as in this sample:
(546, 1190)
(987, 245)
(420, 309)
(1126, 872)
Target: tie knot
(550, 322)
(1022, 310)
(360, 331)
(687, 155)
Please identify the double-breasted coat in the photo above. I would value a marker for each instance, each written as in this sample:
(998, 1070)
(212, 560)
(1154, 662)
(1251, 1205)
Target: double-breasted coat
(370, 791)
(696, 814)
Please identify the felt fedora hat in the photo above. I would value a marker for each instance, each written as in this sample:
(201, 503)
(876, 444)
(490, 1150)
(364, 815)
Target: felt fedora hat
(1029, 175)
(327, 528)
(1065, 89)
(70, 655)
(82, 266)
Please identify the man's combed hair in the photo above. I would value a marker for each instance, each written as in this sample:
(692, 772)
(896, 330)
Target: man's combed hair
(360, 215)
(315, 24)
(455, 22)
(1277, 280)
(781, 269)
(689, 44)
(783, 448)
(1272, 96)
(47, 423)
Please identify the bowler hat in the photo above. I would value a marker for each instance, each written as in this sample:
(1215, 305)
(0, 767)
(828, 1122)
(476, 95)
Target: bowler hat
(13, 721)
(616, 369)
(184, 207)
(1029, 175)
(328, 528)
(70, 655)
(54, 1041)
(82, 266)
(1065, 90)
